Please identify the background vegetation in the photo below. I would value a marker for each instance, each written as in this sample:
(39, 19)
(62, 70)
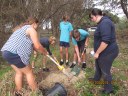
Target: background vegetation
(49, 12)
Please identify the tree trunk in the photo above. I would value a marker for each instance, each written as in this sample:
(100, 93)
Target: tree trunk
(124, 5)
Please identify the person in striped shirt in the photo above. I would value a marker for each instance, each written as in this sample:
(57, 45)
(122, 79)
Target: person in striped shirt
(17, 50)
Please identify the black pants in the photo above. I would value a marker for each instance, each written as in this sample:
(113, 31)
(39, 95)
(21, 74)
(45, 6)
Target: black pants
(81, 45)
(103, 66)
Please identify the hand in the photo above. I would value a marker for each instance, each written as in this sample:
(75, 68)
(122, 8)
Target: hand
(45, 53)
(86, 45)
(54, 58)
(96, 55)
(79, 60)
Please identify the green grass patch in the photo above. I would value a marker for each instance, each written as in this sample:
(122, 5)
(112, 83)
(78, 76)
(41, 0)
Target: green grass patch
(4, 70)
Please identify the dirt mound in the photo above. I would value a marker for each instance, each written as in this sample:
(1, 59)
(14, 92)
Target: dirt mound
(57, 76)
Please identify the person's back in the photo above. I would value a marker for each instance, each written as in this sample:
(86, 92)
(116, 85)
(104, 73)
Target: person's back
(19, 43)
(17, 50)
(65, 29)
(45, 41)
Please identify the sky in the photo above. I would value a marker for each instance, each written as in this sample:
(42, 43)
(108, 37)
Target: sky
(119, 12)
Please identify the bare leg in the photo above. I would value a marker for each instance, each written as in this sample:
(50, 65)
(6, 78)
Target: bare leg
(18, 78)
(34, 58)
(61, 53)
(75, 57)
(30, 77)
(83, 57)
(44, 61)
(66, 49)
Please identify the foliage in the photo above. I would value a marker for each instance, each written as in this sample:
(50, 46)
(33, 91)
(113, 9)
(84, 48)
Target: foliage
(123, 24)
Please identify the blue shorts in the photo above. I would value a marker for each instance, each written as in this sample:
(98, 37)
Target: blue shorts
(64, 44)
(13, 59)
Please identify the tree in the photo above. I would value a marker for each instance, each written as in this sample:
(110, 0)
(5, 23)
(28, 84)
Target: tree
(124, 5)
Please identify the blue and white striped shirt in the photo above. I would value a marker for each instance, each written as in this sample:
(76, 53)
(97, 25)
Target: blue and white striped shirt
(19, 43)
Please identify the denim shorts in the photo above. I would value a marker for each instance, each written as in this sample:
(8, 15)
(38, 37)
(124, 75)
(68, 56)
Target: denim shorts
(64, 44)
(13, 59)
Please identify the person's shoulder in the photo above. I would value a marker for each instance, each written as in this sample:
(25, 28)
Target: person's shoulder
(43, 38)
(29, 28)
(61, 22)
(69, 22)
(81, 30)
(106, 19)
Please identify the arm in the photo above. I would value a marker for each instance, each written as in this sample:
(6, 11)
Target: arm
(48, 49)
(86, 42)
(34, 37)
(103, 46)
(105, 31)
(77, 53)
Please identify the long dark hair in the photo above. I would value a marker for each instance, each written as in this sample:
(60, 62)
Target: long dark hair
(29, 21)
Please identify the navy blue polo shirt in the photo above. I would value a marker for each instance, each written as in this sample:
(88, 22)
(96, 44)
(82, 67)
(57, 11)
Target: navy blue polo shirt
(46, 44)
(105, 32)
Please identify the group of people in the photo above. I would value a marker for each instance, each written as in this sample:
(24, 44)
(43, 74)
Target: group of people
(18, 48)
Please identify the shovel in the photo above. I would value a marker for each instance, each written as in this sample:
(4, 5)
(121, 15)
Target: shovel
(76, 69)
(60, 67)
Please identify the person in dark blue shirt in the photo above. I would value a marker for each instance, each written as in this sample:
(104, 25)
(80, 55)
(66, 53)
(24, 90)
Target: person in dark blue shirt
(105, 48)
(45, 42)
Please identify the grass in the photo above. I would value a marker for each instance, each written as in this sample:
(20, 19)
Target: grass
(82, 87)
(4, 70)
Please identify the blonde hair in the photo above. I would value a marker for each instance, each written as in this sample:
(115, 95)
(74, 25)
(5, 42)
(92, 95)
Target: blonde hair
(52, 38)
(29, 21)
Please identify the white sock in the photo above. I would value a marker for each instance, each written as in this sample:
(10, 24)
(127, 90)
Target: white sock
(74, 62)
(66, 60)
(84, 62)
(62, 60)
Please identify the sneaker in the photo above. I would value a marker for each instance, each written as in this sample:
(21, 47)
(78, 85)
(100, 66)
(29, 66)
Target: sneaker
(61, 62)
(67, 63)
(18, 93)
(83, 65)
(72, 65)
(46, 69)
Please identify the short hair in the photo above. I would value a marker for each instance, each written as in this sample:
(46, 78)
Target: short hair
(52, 38)
(75, 33)
(65, 17)
(96, 11)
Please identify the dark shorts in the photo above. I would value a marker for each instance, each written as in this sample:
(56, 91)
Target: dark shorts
(81, 45)
(64, 44)
(13, 59)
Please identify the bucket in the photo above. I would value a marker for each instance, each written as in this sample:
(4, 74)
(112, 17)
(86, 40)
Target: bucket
(57, 90)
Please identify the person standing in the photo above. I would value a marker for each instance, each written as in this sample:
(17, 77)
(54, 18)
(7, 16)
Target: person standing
(65, 29)
(17, 51)
(80, 39)
(105, 48)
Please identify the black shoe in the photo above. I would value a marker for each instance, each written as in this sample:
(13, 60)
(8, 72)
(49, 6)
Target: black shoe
(83, 65)
(67, 63)
(46, 69)
(106, 92)
(61, 62)
(72, 65)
